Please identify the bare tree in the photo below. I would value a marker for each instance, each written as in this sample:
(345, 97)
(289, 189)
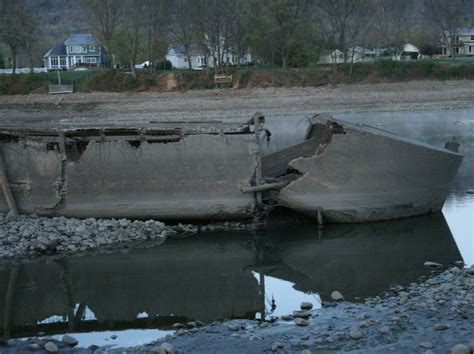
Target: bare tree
(237, 12)
(447, 16)
(131, 32)
(28, 31)
(278, 25)
(104, 17)
(345, 22)
(182, 26)
(9, 30)
(392, 21)
(154, 22)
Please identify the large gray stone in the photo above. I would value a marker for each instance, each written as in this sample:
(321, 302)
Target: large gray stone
(69, 340)
(337, 296)
(50, 347)
(460, 349)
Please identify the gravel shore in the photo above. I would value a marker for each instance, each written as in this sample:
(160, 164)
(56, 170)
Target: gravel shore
(431, 316)
(31, 237)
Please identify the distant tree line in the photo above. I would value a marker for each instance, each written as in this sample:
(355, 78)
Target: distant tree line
(278, 32)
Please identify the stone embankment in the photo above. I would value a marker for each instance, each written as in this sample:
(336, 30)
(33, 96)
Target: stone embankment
(31, 237)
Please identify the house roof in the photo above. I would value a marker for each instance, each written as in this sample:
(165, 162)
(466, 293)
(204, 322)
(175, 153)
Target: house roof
(58, 50)
(410, 48)
(468, 31)
(179, 49)
(81, 39)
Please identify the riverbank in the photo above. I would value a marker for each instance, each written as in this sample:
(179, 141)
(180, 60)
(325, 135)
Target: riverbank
(435, 314)
(109, 80)
(431, 316)
(148, 108)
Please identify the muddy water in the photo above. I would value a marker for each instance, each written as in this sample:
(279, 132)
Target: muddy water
(248, 274)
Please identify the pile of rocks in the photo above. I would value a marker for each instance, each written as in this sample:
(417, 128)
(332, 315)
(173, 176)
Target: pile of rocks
(31, 236)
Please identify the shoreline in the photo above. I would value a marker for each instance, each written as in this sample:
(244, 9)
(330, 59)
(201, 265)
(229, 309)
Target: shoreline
(148, 108)
(429, 316)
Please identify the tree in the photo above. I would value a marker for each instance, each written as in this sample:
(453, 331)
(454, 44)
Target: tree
(9, 30)
(129, 41)
(345, 22)
(278, 25)
(237, 12)
(154, 23)
(182, 26)
(28, 31)
(393, 20)
(104, 17)
(448, 17)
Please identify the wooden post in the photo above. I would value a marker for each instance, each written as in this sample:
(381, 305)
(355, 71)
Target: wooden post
(258, 171)
(7, 193)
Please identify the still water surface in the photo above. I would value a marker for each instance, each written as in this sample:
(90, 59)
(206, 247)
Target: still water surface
(224, 275)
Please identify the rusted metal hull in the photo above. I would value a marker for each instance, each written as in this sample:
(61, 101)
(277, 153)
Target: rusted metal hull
(341, 172)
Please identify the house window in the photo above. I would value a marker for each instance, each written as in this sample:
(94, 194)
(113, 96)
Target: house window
(91, 60)
(472, 38)
(54, 61)
(62, 61)
(92, 48)
(457, 50)
(470, 49)
(185, 60)
(199, 60)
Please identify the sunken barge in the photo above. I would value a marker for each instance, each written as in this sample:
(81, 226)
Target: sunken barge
(340, 172)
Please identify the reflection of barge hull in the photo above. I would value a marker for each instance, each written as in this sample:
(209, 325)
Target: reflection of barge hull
(343, 172)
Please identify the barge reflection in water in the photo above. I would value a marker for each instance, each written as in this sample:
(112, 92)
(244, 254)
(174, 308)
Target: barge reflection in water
(217, 275)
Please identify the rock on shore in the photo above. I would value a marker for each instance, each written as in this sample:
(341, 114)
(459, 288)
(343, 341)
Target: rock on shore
(30, 236)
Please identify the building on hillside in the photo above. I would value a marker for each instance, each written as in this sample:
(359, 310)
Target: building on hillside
(200, 58)
(78, 50)
(461, 39)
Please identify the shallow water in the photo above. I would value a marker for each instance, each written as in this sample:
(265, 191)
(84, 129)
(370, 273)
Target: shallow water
(269, 272)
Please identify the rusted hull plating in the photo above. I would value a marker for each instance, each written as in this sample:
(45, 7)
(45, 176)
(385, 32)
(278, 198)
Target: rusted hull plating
(341, 173)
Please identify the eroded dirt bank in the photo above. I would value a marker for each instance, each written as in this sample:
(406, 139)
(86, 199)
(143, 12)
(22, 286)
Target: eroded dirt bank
(209, 105)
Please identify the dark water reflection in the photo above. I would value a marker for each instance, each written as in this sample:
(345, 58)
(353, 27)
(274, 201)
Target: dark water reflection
(222, 275)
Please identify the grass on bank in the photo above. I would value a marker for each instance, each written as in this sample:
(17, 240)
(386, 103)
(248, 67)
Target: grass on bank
(245, 77)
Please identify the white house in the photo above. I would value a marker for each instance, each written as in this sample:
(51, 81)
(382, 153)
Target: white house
(79, 49)
(176, 54)
(462, 40)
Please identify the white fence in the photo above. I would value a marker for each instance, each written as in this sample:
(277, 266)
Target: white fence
(23, 70)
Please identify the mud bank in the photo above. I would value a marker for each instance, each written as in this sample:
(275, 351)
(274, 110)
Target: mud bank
(149, 107)
(431, 316)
